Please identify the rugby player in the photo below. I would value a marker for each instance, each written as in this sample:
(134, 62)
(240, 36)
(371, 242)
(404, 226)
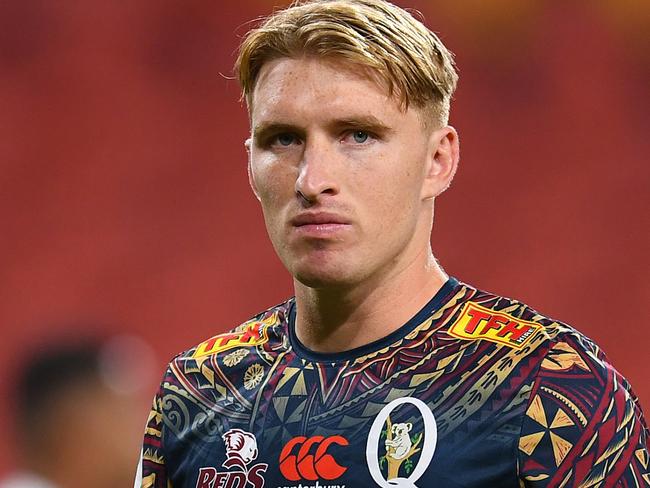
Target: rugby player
(382, 370)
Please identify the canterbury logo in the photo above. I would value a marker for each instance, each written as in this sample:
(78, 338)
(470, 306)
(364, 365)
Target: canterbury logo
(311, 461)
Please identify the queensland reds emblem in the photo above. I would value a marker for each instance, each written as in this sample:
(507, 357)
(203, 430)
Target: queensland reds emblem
(394, 439)
(241, 451)
(309, 459)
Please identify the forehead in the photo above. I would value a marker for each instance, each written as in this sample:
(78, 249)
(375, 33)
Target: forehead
(310, 87)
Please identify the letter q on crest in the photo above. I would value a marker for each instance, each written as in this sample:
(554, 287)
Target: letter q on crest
(429, 447)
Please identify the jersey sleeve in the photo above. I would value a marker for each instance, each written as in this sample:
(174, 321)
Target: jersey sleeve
(152, 472)
(583, 425)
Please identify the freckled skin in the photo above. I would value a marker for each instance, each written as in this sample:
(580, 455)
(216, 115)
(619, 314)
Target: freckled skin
(326, 138)
(379, 186)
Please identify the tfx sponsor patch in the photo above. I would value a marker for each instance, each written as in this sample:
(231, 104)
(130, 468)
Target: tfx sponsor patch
(477, 322)
(253, 334)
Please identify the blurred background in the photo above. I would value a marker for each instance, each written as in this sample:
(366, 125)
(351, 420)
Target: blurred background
(124, 198)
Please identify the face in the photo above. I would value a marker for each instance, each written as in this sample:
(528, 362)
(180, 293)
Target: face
(345, 176)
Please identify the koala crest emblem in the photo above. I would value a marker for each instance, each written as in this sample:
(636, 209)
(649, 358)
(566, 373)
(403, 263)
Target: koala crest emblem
(399, 446)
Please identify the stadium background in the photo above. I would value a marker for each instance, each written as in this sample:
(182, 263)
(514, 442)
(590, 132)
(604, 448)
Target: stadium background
(123, 190)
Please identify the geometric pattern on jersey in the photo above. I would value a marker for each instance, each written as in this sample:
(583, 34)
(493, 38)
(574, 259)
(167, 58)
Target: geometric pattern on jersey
(517, 399)
(573, 434)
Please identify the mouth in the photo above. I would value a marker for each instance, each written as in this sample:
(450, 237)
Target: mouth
(319, 224)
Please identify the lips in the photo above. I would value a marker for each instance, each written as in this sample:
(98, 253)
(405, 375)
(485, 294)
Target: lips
(320, 218)
(320, 225)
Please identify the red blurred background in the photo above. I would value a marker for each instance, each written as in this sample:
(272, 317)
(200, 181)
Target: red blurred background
(124, 197)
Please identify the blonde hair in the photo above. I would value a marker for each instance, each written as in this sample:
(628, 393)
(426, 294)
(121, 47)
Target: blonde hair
(393, 47)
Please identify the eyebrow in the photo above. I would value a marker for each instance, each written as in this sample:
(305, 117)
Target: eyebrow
(265, 129)
(369, 122)
(361, 122)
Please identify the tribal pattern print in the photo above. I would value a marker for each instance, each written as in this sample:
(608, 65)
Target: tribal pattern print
(476, 390)
(574, 434)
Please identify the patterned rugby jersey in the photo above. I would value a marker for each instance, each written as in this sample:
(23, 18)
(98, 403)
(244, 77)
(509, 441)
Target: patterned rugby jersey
(476, 390)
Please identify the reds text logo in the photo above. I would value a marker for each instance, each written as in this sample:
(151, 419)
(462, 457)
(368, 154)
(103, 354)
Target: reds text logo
(241, 451)
(309, 459)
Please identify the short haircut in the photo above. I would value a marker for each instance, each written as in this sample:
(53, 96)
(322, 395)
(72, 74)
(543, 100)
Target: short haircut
(394, 47)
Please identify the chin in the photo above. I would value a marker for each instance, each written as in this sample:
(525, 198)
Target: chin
(320, 280)
(323, 276)
(324, 268)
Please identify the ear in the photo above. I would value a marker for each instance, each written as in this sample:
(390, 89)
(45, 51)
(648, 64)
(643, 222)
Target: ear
(409, 426)
(442, 161)
(251, 180)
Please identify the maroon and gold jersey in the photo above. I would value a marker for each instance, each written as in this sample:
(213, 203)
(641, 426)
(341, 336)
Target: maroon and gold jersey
(476, 390)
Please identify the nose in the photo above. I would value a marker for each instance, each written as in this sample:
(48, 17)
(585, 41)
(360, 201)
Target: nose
(317, 174)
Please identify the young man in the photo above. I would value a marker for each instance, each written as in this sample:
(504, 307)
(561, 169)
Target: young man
(382, 371)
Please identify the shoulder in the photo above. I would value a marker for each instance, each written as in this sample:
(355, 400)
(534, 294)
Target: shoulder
(582, 420)
(264, 331)
(562, 352)
(565, 365)
(210, 376)
(228, 363)
(481, 315)
(551, 352)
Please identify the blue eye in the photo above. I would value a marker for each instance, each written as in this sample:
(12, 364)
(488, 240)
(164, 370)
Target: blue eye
(360, 136)
(286, 139)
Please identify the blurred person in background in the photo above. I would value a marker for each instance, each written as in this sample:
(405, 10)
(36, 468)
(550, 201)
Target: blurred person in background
(382, 370)
(77, 419)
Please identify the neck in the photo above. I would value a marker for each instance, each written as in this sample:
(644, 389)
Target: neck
(346, 317)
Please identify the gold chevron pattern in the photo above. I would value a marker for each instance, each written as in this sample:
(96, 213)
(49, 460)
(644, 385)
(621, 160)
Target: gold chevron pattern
(562, 357)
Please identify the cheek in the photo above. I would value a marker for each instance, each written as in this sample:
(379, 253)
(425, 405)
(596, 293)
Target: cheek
(392, 201)
(274, 182)
(393, 193)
